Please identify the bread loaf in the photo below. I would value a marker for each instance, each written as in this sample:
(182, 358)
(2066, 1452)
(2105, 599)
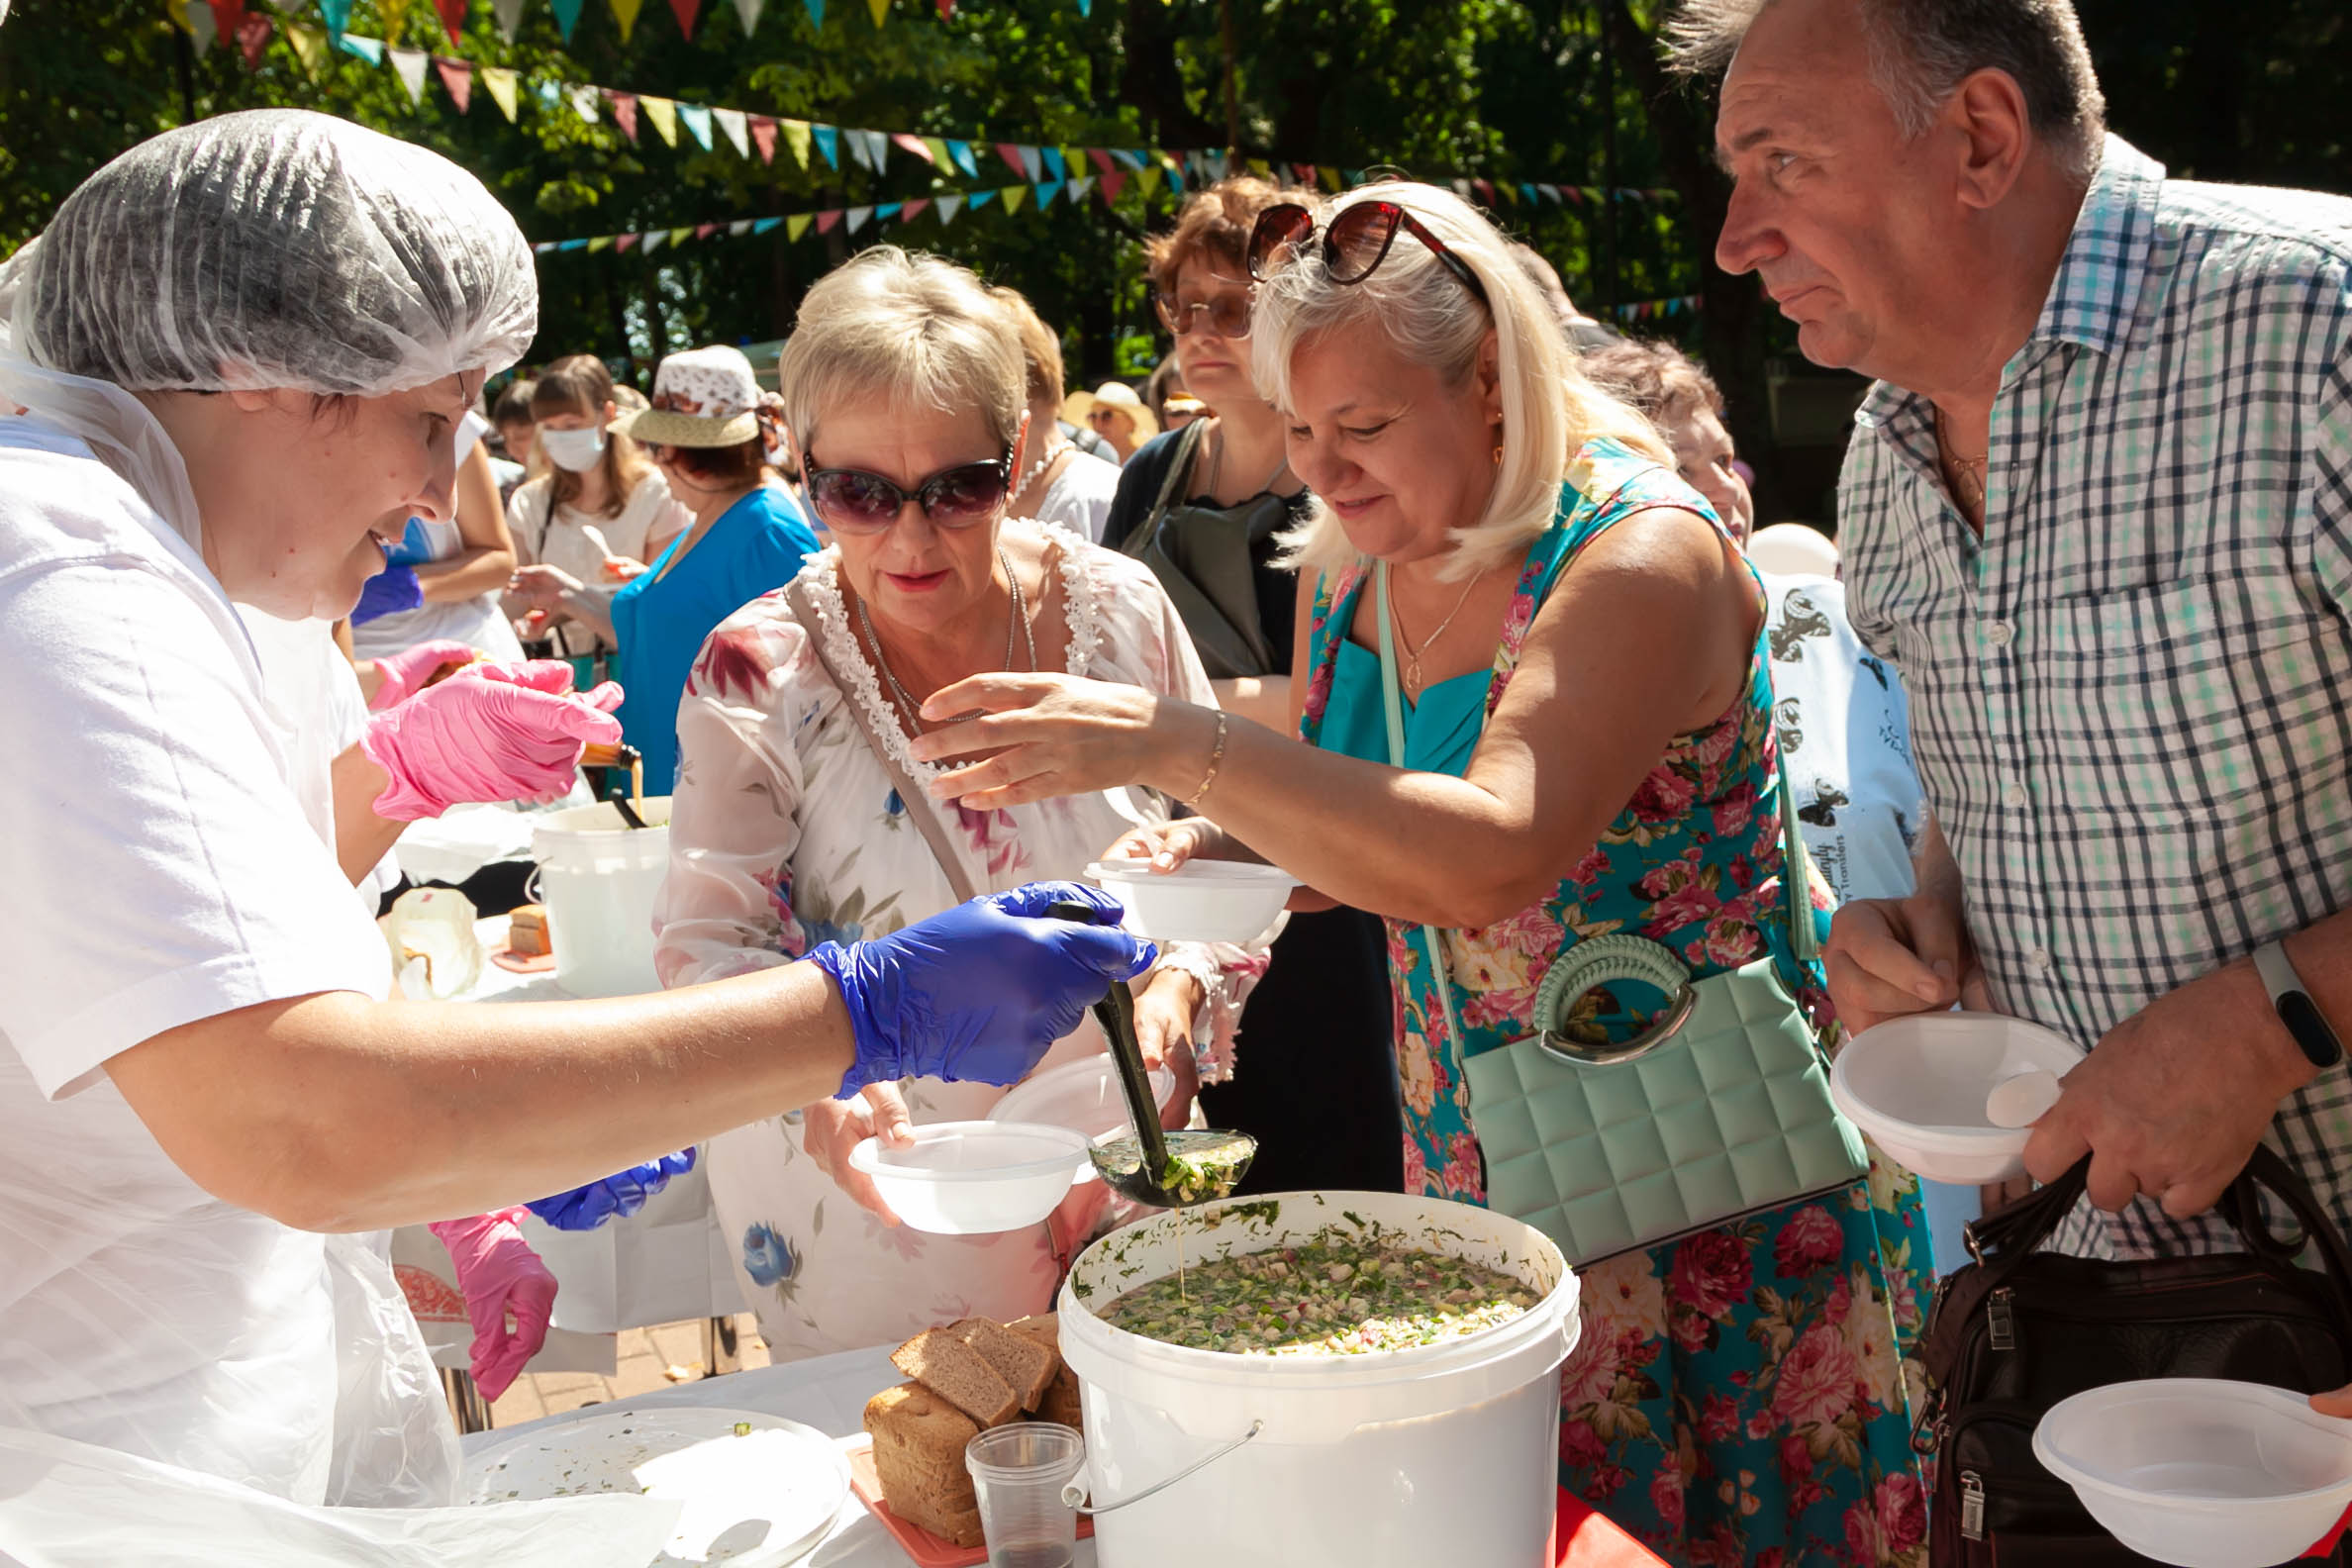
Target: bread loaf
(919, 1457)
(1023, 1362)
(942, 1362)
(1061, 1402)
(527, 930)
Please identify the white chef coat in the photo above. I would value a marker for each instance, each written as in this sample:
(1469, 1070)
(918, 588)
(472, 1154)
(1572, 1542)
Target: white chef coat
(314, 693)
(158, 869)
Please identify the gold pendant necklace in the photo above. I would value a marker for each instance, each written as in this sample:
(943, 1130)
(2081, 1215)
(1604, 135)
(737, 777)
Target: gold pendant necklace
(1413, 656)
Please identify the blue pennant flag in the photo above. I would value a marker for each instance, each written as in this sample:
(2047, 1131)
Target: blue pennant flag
(568, 16)
(367, 49)
(829, 143)
(961, 152)
(1056, 162)
(766, 223)
(1047, 191)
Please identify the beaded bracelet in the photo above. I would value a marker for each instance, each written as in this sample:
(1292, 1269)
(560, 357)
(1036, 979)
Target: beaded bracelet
(1215, 762)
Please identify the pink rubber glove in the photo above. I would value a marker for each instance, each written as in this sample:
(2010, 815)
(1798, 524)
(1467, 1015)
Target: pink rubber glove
(403, 674)
(489, 732)
(499, 1274)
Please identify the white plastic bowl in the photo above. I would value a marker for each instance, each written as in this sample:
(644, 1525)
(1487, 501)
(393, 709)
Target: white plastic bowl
(1227, 900)
(1918, 1086)
(2201, 1472)
(1083, 1096)
(975, 1178)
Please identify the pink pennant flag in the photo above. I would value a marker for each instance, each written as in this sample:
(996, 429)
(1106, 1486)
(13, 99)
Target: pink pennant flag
(252, 36)
(687, 11)
(763, 134)
(1101, 161)
(457, 77)
(705, 231)
(1011, 153)
(908, 210)
(624, 111)
(914, 144)
(624, 241)
(229, 15)
(1114, 182)
(1485, 189)
(452, 16)
(827, 220)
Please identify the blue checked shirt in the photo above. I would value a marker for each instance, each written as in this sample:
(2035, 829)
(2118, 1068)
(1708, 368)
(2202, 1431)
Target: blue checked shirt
(2132, 699)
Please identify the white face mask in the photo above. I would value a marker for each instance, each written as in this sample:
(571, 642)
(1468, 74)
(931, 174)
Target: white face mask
(576, 449)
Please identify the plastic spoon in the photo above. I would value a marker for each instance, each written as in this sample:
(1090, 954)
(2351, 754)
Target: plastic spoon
(1167, 1170)
(2023, 1100)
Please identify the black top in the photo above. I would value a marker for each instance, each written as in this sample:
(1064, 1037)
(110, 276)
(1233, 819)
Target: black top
(1140, 479)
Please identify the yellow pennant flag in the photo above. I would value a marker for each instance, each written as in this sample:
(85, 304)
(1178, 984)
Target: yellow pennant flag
(881, 10)
(501, 82)
(798, 224)
(624, 12)
(1013, 196)
(941, 156)
(394, 12)
(663, 112)
(796, 137)
(309, 47)
(601, 243)
(1149, 178)
(1261, 168)
(1330, 179)
(679, 236)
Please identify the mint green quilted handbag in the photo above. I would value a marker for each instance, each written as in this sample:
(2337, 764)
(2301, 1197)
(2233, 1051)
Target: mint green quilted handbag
(1719, 1110)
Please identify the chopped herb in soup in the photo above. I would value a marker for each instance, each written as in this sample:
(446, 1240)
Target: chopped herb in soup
(1201, 1165)
(1333, 1295)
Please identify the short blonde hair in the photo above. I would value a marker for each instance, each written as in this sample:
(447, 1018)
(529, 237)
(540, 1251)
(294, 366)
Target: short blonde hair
(1549, 408)
(916, 329)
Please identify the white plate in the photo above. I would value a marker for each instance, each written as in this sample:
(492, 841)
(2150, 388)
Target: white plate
(975, 1178)
(2201, 1472)
(1918, 1086)
(755, 1498)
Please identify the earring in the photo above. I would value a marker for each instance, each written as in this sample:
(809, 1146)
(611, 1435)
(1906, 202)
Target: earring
(1498, 456)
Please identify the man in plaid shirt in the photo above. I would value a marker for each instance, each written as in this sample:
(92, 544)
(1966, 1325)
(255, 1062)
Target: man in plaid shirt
(2098, 507)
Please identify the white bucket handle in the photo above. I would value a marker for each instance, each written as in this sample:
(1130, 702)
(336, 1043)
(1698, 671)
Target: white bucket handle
(1074, 1495)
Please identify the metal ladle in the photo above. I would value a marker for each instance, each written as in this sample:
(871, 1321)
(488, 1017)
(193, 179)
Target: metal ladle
(1167, 1170)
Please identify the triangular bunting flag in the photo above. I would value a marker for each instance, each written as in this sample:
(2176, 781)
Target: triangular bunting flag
(1113, 183)
(917, 145)
(796, 137)
(941, 160)
(1553, 191)
(1352, 176)
(542, 249)
(457, 77)
(763, 137)
(1102, 159)
(679, 236)
(336, 12)
(829, 143)
(568, 16)
(981, 198)
(583, 102)
(501, 83)
(1258, 166)
(947, 207)
(452, 17)
(1220, 165)
(1011, 195)
(624, 12)
(1011, 155)
(655, 238)
(393, 13)
(860, 153)
(740, 227)
(1486, 191)
(798, 225)
(816, 10)
(827, 220)
(252, 36)
(857, 218)
(1046, 192)
(573, 244)
(697, 123)
(309, 47)
(1150, 179)
(1081, 186)
(748, 11)
(732, 124)
(663, 112)
(1304, 173)
(705, 231)
(626, 243)
(888, 211)
(880, 9)
(601, 243)
(961, 151)
(1133, 158)
(1331, 180)
(410, 64)
(1054, 164)
(1528, 191)
(1086, 8)
(687, 11)
(367, 49)
(226, 15)
(914, 209)
(625, 108)
(1032, 164)
(877, 145)
(766, 225)
(204, 29)
(946, 10)
(510, 16)
(1463, 189)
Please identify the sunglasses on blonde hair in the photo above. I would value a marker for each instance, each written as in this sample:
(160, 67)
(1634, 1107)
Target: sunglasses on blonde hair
(1354, 244)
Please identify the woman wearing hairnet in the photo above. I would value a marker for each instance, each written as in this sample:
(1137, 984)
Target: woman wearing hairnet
(240, 344)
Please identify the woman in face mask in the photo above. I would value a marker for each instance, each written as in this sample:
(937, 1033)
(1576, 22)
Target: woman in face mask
(583, 529)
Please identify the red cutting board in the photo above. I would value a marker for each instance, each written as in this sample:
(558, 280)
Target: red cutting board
(928, 1550)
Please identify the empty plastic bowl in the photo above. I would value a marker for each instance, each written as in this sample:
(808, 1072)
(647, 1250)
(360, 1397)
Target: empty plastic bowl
(1918, 1086)
(975, 1178)
(1227, 900)
(1081, 1095)
(2201, 1472)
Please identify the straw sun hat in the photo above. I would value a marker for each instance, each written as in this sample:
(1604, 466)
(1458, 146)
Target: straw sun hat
(703, 397)
(1119, 397)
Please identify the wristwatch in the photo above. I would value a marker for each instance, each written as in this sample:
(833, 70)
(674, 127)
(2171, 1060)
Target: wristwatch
(2297, 1009)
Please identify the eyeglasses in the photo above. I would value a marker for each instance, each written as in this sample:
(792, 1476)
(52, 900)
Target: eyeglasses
(1229, 313)
(1354, 244)
(853, 501)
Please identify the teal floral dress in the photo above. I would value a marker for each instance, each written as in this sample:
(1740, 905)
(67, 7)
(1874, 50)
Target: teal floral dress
(1738, 1397)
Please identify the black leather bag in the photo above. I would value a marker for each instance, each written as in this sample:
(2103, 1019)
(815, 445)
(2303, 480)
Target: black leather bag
(2018, 1330)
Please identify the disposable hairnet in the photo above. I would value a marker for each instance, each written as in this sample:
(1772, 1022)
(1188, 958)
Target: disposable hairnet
(273, 248)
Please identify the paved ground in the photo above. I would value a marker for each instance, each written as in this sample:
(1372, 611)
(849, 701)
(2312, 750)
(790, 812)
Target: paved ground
(648, 1357)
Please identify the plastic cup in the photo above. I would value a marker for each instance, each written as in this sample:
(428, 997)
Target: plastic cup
(1019, 1472)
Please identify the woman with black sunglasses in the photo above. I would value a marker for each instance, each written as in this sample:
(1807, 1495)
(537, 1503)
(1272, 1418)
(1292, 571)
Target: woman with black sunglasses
(801, 815)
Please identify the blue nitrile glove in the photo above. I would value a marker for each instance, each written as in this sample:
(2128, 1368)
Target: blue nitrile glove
(586, 1207)
(978, 994)
(388, 592)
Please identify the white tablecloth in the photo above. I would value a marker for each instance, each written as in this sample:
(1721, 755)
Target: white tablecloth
(830, 1393)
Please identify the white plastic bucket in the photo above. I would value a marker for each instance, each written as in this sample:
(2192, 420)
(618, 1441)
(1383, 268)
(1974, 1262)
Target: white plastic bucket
(1444, 1453)
(599, 878)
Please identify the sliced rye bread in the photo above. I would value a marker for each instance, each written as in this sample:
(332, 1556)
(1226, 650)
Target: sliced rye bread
(1044, 1327)
(1062, 1404)
(942, 1362)
(919, 1451)
(1025, 1363)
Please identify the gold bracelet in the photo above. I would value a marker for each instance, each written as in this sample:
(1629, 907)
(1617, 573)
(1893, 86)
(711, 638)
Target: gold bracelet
(1215, 762)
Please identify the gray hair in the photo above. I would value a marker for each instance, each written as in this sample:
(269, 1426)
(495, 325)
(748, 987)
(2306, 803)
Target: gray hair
(1549, 408)
(916, 329)
(1922, 50)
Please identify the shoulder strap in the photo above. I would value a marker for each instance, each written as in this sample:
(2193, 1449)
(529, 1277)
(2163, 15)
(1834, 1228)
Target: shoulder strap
(916, 799)
(1185, 445)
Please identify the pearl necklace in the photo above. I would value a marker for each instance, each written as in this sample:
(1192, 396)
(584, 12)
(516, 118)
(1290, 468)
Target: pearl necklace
(911, 710)
(1037, 470)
